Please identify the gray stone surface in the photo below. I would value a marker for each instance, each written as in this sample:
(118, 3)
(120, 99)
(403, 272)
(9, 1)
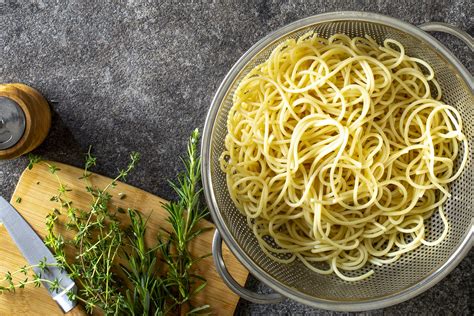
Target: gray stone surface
(140, 75)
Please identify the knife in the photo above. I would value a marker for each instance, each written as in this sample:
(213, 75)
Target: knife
(35, 251)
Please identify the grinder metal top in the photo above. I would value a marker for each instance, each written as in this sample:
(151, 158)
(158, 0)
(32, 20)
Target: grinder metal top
(12, 123)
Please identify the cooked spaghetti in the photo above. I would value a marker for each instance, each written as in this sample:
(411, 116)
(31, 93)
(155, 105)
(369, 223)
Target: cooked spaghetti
(340, 150)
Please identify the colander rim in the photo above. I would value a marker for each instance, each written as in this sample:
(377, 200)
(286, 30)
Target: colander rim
(337, 305)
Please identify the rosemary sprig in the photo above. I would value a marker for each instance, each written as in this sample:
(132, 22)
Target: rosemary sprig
(145, 295)
(169, 289)
(181, 284)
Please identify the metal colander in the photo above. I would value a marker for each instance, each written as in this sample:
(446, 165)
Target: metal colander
(392, 283)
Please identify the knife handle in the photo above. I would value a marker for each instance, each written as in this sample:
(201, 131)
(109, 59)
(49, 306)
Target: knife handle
(78, 310)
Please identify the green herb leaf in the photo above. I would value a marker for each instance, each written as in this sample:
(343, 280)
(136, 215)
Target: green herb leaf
(53, 169)
(33, 159)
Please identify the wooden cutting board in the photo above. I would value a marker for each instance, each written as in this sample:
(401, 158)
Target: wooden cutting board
(38, 185)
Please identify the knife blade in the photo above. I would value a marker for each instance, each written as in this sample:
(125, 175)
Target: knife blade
(35, 251)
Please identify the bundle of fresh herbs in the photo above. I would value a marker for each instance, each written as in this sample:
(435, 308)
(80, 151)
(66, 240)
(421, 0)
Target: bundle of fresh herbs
(116, 271)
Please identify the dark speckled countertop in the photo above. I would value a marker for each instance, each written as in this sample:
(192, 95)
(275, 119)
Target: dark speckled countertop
(140, 75)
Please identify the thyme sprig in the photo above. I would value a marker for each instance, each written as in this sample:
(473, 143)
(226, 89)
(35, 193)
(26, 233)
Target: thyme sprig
(97, 240)
(23, 273)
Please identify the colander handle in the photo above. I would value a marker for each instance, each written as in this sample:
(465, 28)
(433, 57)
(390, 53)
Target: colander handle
(446, 28)
(253, 297)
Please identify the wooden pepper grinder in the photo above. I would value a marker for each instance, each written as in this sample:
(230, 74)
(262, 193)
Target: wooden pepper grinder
(25, 119)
